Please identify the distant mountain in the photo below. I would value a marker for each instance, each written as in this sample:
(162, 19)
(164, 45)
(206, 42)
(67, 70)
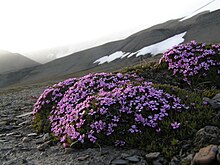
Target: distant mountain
(11, 62)
(203, 27)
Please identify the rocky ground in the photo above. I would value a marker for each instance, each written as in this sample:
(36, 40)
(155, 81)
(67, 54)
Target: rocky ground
(19, 144)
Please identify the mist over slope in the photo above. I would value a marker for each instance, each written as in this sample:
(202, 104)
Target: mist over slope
(10, 62)
(203, 27)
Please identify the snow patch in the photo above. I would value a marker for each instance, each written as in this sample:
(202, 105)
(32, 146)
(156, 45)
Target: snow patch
(154, 49)
(110, 58)
(162, 46)
(211, 6)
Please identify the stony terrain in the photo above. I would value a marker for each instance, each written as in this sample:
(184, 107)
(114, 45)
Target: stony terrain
(19, 144)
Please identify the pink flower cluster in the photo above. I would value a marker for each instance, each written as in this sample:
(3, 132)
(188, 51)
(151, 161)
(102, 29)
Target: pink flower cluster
(106, 105)
(193, 59)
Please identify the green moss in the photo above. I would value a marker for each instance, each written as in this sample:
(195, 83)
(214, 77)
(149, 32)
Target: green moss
(41, 121)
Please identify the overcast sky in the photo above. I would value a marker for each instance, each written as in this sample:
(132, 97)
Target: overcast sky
(29, 25)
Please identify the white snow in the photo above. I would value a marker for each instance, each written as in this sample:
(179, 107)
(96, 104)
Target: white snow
(211, 6)
(162, 46)
(154, 49)
(110, 58)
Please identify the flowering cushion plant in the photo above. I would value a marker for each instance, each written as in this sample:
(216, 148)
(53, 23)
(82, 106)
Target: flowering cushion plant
(195, 62)
(107, 108)
(48, 101)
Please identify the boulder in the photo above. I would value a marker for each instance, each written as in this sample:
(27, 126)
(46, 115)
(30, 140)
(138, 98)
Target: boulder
(207, 135)
(214, 102)
(206, 155)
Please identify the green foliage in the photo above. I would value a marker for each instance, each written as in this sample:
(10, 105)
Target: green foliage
(41, 122)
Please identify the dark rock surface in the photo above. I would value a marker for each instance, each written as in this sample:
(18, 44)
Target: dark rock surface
(214, 102)
(207, 135)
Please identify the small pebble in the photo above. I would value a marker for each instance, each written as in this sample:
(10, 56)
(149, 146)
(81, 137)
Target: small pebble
(120, 162)
(32, 134)
(81, 158)
(43, 146)
(133, 159)
(152, 155)
(26, 140)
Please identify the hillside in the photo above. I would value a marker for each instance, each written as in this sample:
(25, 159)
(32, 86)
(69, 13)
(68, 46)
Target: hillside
(112, 56)
(10, 62)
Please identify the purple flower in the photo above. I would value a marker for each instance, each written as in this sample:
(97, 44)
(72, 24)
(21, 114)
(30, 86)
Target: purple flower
(133, 129)
(175, 125)
(95, 105)
(119, 143)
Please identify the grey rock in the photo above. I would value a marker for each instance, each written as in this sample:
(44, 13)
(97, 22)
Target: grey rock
(214, 102)
(207, 135)
(187, 160)
(11, 134)
(2, 135)
(206, 155)
(119, 162)
(133, 159)
(6, 128)
(3, 140)
(23, 123)
(82, 158)
(31, 134)
(17, 161)
(25, 114)
(175, 161)
(43, 146)
(46, 137)
(26, 140)
(39, 141)
(153, 155)
(3, 123)
(156, 162)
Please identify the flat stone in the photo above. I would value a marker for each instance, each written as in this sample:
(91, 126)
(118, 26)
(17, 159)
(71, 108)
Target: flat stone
(43, 146)
(175, 161)
(206, 155)
(26, 140)
(133, 159)
(82, 158)
(25, 114)
(2, 135)
(120, 162)
(2, 123)
(39, 141)
(152, 155)
(156, 162)
(46, 137)
(23, 123)
(12, 133)
(3, 140)
(31, 134)
(188, 159)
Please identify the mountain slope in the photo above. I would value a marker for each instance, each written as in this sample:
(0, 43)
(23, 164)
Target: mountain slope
(10, 62)
(202, 28)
